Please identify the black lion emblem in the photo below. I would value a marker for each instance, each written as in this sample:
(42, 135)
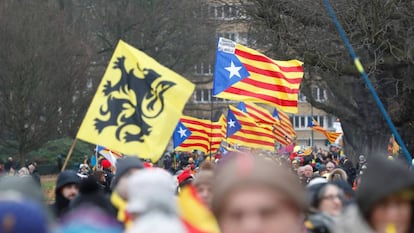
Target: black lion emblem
(145, 96)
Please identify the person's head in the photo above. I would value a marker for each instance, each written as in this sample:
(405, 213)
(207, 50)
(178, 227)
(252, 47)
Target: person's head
(327, 198)
(252, 194)
(151, 190)
(23, 172)
(337, 174)
(300, 171)
(100, 176)
(203, 183)
(32, 168)
(386, 196)
(308, 171)
(330, 166)
(125, 167)
(322, 170)
(10, 159)
(67, 184)
(295, 164)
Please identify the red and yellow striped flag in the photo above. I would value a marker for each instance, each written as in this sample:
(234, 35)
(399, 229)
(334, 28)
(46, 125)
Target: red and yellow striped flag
(204, 134)
(331, 136)
(283, 129)
(195, 215)
(244, 74)
(251, 134)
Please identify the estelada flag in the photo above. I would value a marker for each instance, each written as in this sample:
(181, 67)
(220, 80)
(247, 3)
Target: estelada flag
(243, 74)
(137, 105)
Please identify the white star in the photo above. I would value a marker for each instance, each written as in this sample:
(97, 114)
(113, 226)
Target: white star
(231, 123)
(182, 132)
(234, 70)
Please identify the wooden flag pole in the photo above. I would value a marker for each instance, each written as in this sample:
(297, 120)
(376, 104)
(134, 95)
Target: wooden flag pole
(69, 154)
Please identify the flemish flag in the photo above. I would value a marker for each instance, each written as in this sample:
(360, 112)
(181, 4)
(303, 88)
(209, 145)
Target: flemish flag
(137, 105)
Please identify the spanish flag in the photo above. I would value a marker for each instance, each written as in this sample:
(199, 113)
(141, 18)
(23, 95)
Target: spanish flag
(195, 215)
(137, 105)
(244, 74)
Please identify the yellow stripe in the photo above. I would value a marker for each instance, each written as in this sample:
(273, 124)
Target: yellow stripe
(270, 67)
(269, 80)
(289, 63)
(251, 145)
(256, 89)
(231, 96)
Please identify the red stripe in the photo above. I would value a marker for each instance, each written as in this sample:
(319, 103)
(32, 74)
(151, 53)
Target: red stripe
(255, 133)
(270, 87)
(184, 145)
(253, 141)
(195, 122)
(262, 114)
(194, 137)
(263, 58)
(272, 74)
(272, 99)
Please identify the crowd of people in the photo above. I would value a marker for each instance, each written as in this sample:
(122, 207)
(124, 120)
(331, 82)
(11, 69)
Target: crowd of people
(246, 192)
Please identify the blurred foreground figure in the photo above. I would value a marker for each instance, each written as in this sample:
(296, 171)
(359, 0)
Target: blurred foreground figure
(22, 206)
(385, 200)
(125, 168)
(253, 195)
(152, 203)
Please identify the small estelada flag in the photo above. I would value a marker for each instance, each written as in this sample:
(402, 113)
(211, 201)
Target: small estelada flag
(137, 105)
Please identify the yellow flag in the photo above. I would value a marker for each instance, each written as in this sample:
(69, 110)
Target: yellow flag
(137, 105)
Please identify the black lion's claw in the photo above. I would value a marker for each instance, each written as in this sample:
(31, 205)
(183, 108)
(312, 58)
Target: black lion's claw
(107, 88)
(120, 63)
(133, 137)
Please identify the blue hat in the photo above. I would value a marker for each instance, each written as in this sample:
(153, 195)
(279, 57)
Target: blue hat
(22, 216)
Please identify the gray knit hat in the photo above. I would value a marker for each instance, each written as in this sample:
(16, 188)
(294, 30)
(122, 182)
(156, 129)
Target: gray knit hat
(123, 166)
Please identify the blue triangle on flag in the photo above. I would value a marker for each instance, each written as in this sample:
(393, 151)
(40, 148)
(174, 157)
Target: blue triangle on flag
(310, 122)
(242, 107)
(233, 125)
(228, 69)
(181, 133)
(276, 114)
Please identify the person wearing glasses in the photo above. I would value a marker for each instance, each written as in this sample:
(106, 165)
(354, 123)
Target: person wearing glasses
(326, 205)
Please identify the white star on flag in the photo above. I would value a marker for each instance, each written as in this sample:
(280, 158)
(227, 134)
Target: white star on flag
(231, 123)
(182, 133)
(234, 70)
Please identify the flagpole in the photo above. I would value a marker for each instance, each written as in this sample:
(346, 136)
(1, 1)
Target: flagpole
(364, 76)
(69, 154)
(211, 122)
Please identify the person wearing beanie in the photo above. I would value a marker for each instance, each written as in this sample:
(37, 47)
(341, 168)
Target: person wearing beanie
(18, 215)
(153, 204)
(185, 178)
(125, 167)
(248, 187)
(326, 204)
(67, 187)
(203, 183)
(385, 200)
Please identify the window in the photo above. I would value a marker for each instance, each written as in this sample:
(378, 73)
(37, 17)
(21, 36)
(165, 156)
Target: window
(302, 97)
(203, 69)
(319, 94)
(226, 12)
(238, 37)
(205, 96)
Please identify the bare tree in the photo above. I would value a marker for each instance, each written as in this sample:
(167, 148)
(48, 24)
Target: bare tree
(381, 33)
(43, 64)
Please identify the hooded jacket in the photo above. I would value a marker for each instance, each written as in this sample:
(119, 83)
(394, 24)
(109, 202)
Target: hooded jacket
(382, 179)
(61, 205)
